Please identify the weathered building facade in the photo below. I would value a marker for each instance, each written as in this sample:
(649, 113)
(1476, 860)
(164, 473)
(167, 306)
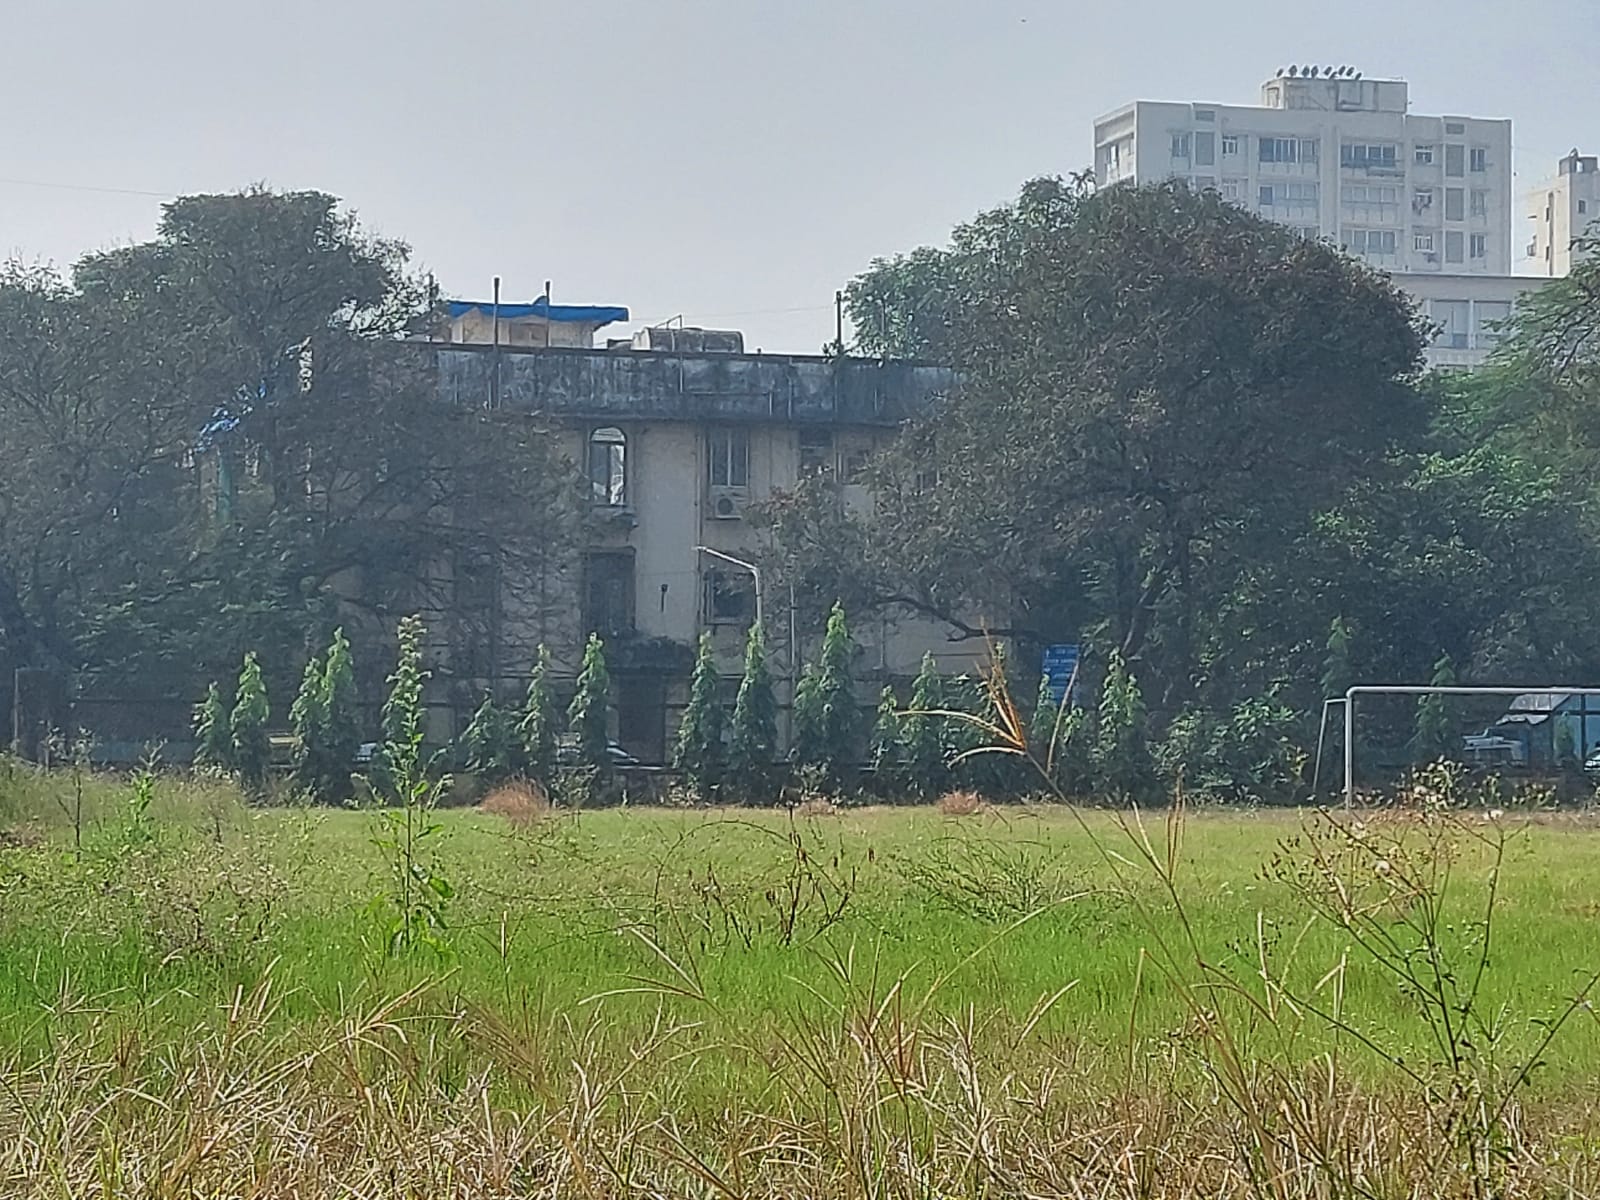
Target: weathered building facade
(677, 444)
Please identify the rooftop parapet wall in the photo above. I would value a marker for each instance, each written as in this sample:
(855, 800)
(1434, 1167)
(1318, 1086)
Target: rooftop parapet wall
(650, 385)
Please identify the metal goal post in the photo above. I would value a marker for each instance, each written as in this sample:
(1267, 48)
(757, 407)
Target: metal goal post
(1349, 702)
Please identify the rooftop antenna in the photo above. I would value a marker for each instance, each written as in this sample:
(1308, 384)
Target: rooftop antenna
(1293, 71)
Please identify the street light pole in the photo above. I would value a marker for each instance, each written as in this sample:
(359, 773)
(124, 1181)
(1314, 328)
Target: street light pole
(755, 574)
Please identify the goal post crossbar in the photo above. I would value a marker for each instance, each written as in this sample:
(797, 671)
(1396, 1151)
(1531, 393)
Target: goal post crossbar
(1409, 689)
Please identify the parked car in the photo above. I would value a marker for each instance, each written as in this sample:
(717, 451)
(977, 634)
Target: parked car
(1591, 765)
(1490, 747)
(616, 756)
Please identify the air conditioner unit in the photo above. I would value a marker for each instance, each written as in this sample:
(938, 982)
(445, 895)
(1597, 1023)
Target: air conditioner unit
(727, 503)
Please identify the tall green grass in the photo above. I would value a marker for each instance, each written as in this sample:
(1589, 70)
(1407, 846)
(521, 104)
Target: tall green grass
(1024, 1000)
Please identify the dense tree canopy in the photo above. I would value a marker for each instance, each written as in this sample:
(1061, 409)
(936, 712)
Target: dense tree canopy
(1191, 438)
(217, 440)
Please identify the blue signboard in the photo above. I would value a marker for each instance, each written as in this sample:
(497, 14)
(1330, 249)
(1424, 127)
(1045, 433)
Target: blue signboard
(1059, 667)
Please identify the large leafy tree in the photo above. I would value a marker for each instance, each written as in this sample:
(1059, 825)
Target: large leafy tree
(227, 443)
(1158, 392)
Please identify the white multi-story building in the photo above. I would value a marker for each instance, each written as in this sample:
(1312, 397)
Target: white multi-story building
(1561, 211)
(1335, 155)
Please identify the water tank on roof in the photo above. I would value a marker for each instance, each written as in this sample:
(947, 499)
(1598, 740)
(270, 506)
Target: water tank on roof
(689, 340)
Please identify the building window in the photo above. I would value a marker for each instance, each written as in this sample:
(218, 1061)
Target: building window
(1180, 145)
(1205, 114)
(1424, 154)
(1369, 156)
(1230, 144)
(1370, 242)
(730, 597)
(1205, 183)
(1479, 159)
(1480, 202)
(1478, 245)
(728, 458)
(1490, 318)
(816, 452)
(1454, 127)
(1451, 316)
(1454, 201)
(1421, 200)
(1453, 245)
(1454, 160)
(1205, 149)
(608, 593)
(1233, 189)
(856, 463)
(1309, 233)
(1583, 206)
(1309, 150)
(1296, 197)
(1278, 150)
(1422, 242)
(608, 466)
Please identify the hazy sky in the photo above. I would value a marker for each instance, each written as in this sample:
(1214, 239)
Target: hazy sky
(734, 161)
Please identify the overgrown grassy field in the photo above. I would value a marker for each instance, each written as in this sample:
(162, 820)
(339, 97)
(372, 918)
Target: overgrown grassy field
(197, 999)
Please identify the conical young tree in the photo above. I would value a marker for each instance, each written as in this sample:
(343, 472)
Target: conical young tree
(247, 725)
(754, 740)
(1435, 734)
(1337, 672)
(698, 751)
(1056, 741)
(213, 746)
(928, 733)
(588, 715)
(836, 699)
(308, 719)
(341, 735)
(809, 748)
(400, 757)
(538, 729)
(1121, 753)
(488, 743)
(886, 751)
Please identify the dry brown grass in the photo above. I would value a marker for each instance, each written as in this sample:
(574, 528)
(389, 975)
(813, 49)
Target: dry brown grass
(816, 806)
(521, 803)
(418, 1097)
(960, 804)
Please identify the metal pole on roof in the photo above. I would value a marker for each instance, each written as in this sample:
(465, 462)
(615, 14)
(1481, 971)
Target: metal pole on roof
(547, 314)
(494, 383)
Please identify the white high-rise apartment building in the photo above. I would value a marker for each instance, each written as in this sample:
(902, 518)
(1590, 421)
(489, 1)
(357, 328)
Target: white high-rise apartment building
(1561, 211)
(1335, 155)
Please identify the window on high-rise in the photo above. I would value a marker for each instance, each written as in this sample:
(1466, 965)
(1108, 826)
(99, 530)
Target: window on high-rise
(1479, 161)
(1451, 316)
(1230, 144)
(1454, 244)
(1278, 150)
(1480, 202)
(1180, 145)
(1205, 149)
(1424, 154)
(1454, 199)
(1478, 245)
(1454, 160)
(1369, 155)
